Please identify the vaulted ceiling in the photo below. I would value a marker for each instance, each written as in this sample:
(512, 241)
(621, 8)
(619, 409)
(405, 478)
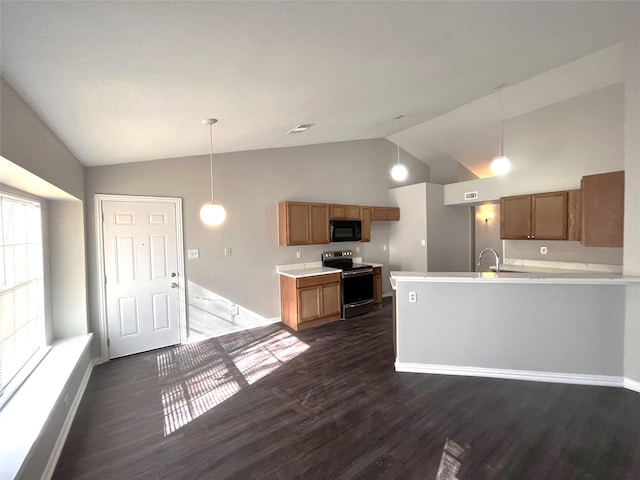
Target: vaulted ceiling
(131, 81)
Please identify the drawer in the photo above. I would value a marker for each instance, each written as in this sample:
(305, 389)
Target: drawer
(318, 280)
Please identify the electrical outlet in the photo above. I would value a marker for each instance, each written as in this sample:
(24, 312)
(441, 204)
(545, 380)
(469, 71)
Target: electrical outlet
(384, 247)
(227, 251)
(543, 250)
(297, 254)
(193, 253)
(423, 242)
(413, 297)
(357, 249)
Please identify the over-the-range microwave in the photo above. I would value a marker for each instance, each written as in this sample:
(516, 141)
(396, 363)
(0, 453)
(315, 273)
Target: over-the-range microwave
(345, 230)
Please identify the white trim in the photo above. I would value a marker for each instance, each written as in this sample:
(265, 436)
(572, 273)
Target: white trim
(66, 426)
(532, 376)
(99, 199)
(631, 384)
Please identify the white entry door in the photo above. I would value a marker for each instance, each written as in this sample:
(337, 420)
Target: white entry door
(141, 263)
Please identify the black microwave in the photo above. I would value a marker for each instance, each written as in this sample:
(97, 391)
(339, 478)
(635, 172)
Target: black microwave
(345, 230)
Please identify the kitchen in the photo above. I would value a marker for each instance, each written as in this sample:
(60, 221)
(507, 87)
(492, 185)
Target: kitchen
(566, 123)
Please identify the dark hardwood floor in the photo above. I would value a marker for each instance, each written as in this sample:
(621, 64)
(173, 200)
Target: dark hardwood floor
(327, 404)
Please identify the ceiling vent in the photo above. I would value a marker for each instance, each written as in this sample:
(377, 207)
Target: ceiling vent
(303, 127)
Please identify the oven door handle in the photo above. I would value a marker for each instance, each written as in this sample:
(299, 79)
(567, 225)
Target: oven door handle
(358, 304)
(357, 273)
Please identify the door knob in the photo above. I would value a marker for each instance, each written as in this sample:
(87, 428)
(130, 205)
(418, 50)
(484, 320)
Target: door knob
(174, 285)
(173, 274)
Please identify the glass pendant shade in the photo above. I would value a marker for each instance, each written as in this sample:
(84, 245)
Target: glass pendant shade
(399, 172)
(500, 165)
(212, 214)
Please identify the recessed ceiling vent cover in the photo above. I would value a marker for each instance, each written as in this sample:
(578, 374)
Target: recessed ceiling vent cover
(303, 127)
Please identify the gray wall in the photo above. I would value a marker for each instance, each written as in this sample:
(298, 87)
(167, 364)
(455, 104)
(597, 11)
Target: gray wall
(250, 185)
(68, 272)
(580, 136)
(40, 164)
(632, 198)
(406, 251)
(487, 235)
(27, 141)
(575, 329)
(446, 231)
(562, 251)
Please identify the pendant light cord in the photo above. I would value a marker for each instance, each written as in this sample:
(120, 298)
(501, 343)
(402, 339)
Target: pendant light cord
(501, 135)
(398, 141)
(211, 158)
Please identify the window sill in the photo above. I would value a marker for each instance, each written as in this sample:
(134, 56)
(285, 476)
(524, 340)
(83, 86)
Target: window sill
(24, 416)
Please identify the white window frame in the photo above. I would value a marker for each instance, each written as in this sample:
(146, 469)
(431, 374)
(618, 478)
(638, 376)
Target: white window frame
(8, 390)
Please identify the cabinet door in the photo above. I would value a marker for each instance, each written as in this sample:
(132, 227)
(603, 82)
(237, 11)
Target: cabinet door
(386, 214)
(603, 209)
(352, 212)
(319, 223)
(574, 215)
(309, 304)
(294, 223)
(549, 214)
(338, 212)
(365, 217)
(515, 217)
(331, 304)
(377, 289)
(393, 214)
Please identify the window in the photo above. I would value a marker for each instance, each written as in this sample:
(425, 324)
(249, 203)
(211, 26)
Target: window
(22, 330)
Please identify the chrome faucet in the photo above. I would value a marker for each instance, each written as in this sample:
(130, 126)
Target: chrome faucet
(496, 255)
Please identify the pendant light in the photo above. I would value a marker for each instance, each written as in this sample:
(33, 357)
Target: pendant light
(501, 164)
(212, 214)
(399, 172)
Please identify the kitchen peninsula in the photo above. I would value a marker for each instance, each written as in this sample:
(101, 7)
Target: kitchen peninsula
(566, 328)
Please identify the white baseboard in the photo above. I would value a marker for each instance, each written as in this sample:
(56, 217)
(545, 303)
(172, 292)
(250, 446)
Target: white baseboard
(66, 426)
(631, 385)
(532, 376)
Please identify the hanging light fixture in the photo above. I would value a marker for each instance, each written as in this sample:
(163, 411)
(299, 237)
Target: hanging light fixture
(501, 164)
(212, 214)
(399, 172)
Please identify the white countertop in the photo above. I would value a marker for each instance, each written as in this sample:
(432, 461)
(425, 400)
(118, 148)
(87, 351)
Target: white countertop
(308, 272)
(309, 269)
(513, 277)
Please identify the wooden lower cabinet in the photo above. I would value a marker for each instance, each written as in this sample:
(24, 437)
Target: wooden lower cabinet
(310, 301)
(377, 287)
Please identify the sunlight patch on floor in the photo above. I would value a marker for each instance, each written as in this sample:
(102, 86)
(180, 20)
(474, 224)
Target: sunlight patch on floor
(198, 377)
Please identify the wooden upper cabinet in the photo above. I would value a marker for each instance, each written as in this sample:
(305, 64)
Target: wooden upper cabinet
(319, 223)
(347, 212)
(574, 215)
(303, 223)
(549, 216)
(534, 217)
(365, 217)
(386, 214)
(603, 210)
(515, 217)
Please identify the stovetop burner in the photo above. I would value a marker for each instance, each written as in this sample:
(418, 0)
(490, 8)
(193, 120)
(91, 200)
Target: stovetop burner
(342, 259)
